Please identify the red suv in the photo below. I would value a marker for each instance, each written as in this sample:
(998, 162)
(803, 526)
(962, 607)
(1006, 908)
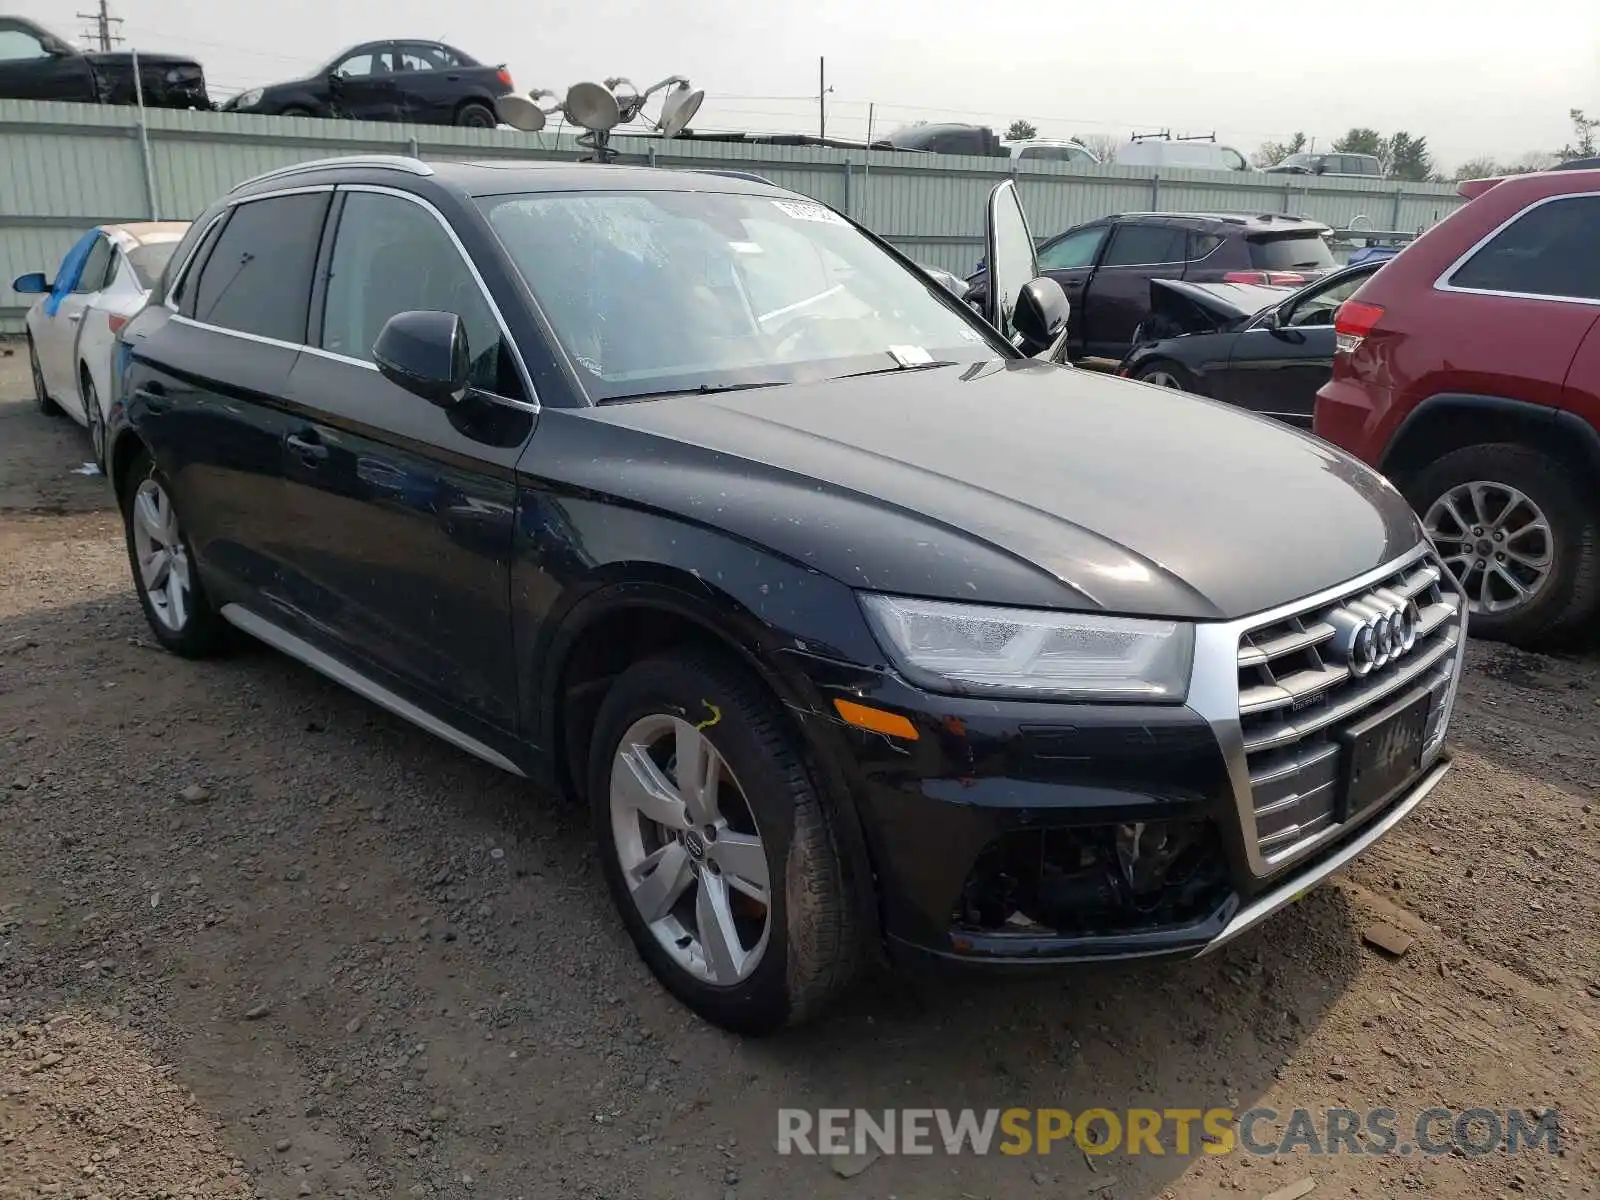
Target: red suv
(1468, 371)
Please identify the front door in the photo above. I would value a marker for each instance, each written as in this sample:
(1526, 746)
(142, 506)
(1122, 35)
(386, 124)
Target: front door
(1280, 361)
(404, 511)
(32, 70)
(1069, 259)
(364, 87)
(75, 287)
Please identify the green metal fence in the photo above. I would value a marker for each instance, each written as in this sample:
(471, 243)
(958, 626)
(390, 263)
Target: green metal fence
(65, 167)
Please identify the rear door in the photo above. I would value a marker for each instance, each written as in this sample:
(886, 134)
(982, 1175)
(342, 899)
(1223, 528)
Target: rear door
(1069, 259)
(1118, 294)
(404, 511)
(207, 381)
(429, 81)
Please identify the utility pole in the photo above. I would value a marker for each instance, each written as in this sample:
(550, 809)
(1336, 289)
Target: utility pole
(103, 21)
(822, 97)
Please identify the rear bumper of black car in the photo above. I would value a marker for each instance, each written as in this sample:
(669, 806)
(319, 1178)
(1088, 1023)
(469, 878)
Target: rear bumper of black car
(1019, 834)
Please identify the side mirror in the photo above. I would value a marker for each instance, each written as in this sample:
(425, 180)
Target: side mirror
(32, 284)
(425, 353)
(1041, 314)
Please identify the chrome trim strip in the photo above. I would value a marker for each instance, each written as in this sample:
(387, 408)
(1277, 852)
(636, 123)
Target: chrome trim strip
(1291, 890)
(1443, 284)
(302, 650)
(260, 339)
(386, 162)
(188, 261)
(1214, 690)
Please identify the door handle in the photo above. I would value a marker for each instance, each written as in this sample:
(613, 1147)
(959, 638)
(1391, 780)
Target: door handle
(308, 446)
(75, 317)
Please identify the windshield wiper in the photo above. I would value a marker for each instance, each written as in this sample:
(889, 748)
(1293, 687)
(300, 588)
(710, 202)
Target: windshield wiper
(898, 367)
(705, 389)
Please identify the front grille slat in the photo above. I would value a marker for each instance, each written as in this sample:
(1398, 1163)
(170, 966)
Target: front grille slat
(1297, 695)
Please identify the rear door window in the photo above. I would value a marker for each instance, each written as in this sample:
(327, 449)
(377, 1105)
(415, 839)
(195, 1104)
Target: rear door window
(1291, 252)
(257, 278)
(1552, 249)
(1143, 245)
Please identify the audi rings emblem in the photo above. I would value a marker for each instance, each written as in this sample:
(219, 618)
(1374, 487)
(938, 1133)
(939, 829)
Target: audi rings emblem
(1374, 631)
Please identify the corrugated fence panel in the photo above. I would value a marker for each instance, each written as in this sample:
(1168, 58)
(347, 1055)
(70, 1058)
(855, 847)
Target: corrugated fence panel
(67, 166)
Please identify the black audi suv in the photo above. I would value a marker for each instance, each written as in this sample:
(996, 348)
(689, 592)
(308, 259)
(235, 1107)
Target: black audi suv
(857, 622)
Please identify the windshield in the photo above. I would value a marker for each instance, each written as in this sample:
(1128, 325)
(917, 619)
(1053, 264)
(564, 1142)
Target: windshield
(655, 292)
(149, 259)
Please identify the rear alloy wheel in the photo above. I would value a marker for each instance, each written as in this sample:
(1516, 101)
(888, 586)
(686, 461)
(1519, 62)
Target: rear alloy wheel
(716, 846)
(96, 420)
(174, 603)
(41, 397)
(476, 116)
(1516, 529)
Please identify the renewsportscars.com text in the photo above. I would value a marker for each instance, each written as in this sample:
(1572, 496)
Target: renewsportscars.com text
(1180, 1131)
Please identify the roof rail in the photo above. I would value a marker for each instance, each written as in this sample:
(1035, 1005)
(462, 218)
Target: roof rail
(748, 176)
(385, 162)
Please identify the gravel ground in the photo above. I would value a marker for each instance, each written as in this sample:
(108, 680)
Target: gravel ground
(257, 937)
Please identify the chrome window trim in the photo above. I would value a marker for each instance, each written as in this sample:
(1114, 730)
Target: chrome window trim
(188, 262)
(532, 405)
(1443, 284)
(1214, 696)
(385, 162)
(259, 339)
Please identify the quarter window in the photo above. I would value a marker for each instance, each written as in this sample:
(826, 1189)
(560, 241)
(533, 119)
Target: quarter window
(1140, 245)
(1553, 249)
(257, 279)
(392, 256)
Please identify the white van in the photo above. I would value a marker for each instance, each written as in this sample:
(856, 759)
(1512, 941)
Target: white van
(1200, 156)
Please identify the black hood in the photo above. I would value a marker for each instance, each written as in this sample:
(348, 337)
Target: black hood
(1011, 483)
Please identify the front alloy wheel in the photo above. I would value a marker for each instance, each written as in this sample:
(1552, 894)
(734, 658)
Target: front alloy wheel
(687, 842)
(717, 844)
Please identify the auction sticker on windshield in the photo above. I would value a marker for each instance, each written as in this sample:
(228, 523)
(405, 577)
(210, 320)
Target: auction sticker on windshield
(806, 210)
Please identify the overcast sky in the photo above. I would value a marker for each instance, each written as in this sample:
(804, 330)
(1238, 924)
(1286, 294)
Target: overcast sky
(1473, 78)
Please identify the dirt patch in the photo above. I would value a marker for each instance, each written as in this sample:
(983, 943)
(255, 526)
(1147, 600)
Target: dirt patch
(383, 969)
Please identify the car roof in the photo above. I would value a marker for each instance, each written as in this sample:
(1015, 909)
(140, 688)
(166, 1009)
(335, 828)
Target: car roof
(1250, 222)
(505, 177)
(146, 232)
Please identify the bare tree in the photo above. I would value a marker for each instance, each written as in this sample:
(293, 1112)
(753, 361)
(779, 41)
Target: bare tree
(1270, 154)
(1104, 145)
(1582, 144)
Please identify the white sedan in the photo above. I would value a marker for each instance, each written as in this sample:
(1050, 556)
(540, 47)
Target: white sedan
(72, 329)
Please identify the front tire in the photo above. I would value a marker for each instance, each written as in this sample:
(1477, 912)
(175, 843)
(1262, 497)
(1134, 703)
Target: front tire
(1165, 374)
(1519, 530)
(41, 396)
(717, 847)
(164, 572)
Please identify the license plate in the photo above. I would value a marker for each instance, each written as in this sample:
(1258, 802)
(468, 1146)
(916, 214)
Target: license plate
(1382, 752)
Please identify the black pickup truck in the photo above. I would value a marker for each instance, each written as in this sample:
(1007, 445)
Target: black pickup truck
(37, 65)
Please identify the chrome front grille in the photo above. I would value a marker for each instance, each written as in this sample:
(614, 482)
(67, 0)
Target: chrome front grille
(1297, 695)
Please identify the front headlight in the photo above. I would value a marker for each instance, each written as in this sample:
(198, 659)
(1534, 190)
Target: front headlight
(248, 99)
(972, 648)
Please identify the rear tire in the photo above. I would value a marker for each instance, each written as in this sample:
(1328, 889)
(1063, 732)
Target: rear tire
(41, 397)
(772, 962)
(93, 416)
(476, 116)
(165, 575)
(1540, 531)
